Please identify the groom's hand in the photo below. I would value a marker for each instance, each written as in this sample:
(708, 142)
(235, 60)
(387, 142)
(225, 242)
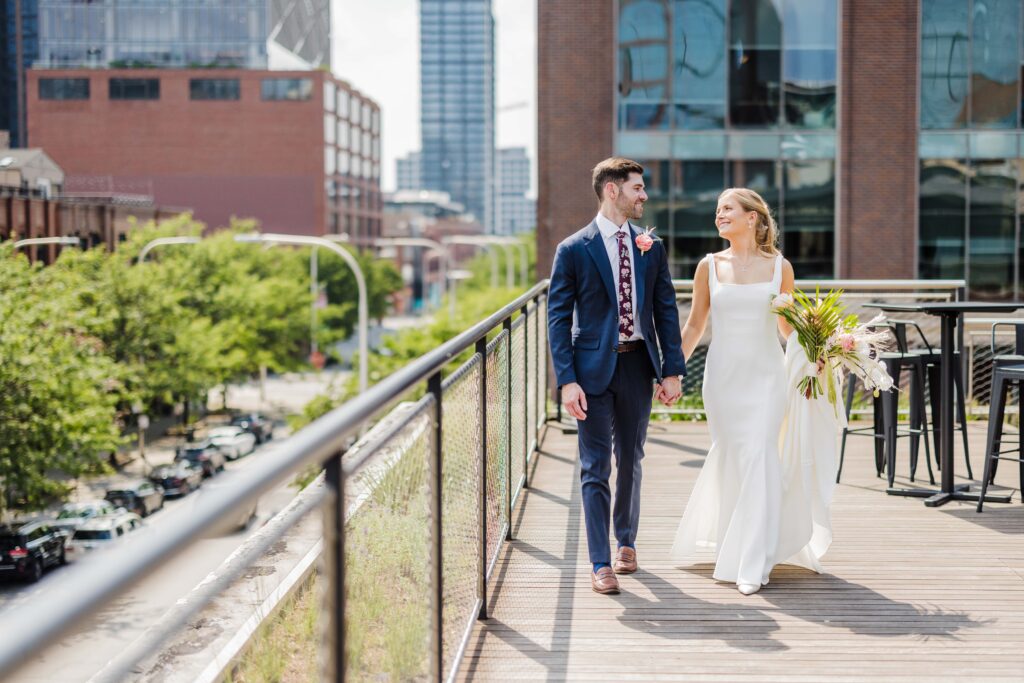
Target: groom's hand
(669, 391)
(575, 400)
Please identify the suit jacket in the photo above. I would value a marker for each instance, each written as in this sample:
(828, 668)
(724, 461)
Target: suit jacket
(583, 311)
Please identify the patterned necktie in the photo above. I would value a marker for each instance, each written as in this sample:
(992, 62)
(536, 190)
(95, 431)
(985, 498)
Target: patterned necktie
(625, 288)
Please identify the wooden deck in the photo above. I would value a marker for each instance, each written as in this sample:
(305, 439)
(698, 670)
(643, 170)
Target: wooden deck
(911, 593)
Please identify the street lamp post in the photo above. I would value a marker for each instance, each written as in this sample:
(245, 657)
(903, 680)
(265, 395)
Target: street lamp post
(161, 241)
(307, 241)
(34, 241)
(479, 243)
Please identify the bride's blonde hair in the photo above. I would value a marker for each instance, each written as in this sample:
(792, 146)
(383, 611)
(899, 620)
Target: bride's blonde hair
(766, 232)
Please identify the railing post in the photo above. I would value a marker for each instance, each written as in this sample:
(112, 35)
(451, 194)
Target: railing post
(335, 538)
(481, 348)
(506, 325)
(525, 310)
(437, 556)
(537, 391)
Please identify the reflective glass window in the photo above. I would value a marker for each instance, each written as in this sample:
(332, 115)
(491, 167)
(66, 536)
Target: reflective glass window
(943, 219)
(755, 63)
(214, 88)
(992, 211)
(644, 64)
(809, 63)
(995, 35)
(63, 88)
(808, 217)
(944, 55)
(287, 88)
(134, 88)
(695, 186)
(698, 62)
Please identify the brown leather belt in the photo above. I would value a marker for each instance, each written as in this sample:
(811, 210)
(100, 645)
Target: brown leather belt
(627, 346)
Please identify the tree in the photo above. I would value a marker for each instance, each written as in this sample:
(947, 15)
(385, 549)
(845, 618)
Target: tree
(58, 389)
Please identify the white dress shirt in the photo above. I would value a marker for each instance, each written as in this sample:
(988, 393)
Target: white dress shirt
(611, 245)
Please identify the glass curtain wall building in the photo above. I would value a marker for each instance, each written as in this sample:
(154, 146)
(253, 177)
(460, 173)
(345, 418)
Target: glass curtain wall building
(457, 102)
(20, 47)
(971, 145)
(720, 93)
(182, 33)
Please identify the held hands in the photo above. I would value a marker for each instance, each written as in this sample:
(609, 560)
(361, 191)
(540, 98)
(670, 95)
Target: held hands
(575, 400)
(669, 391)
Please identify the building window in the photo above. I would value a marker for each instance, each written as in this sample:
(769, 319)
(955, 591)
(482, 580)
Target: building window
(713, 64)
(287, 88)
(970, 64)
(134, 88)
(63, 88)
(214, 88)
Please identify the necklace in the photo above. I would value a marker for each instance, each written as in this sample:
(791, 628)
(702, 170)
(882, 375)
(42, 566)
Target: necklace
(743, 266)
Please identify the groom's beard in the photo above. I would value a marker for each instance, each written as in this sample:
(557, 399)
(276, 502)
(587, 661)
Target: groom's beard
(631, 210)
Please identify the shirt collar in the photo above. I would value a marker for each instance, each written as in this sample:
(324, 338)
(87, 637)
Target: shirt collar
(607, 228)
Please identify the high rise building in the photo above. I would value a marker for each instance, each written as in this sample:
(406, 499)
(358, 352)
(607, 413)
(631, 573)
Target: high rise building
(457, 102)
(408, 172)
(515, 211)
(887, 136)
(20, 48)
(252, 34)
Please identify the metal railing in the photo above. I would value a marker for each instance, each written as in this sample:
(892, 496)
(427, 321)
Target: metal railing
(415, 515)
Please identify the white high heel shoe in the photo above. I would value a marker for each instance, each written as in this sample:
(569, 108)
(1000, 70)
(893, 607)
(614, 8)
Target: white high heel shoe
(748, 588)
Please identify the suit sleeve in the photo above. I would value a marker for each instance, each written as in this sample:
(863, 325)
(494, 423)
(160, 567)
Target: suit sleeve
(666, 319)
(561, 301)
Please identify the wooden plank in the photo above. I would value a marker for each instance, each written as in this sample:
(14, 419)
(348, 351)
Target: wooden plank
(911, 593)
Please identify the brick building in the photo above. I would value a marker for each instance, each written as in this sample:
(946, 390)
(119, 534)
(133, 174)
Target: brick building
(297, 150)
(887, 136)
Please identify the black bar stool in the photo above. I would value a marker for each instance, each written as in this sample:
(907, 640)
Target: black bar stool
(933, 362)
(885, 427)
(1002, 376)
(1003, 360)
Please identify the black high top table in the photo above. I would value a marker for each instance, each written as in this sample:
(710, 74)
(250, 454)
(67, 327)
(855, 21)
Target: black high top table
(950, 313)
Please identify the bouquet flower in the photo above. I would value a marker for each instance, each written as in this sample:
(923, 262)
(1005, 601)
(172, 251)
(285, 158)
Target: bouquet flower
(834, 344)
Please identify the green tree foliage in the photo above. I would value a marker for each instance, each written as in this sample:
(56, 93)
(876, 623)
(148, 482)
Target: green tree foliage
(85, 339)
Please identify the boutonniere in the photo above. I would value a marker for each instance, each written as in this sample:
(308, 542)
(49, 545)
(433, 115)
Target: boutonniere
(644, 241)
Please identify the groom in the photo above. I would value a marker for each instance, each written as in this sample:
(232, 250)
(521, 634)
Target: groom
(610, 305)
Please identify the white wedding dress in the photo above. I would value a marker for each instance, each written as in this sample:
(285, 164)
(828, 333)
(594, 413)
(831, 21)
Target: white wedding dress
(762, 496)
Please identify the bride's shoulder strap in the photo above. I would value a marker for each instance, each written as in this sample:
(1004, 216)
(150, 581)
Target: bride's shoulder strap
(777, 274)
(712, 275)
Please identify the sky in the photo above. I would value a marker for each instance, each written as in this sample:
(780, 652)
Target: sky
(376, 49)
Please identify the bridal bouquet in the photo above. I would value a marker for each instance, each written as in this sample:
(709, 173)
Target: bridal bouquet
(834, 344)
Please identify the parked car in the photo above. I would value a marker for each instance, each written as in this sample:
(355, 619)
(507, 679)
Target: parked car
(179, 478)
(72, 515)
(102, 532)
(257, 424)
(27, 549)
(203, 453)
(142, 497)
(233, 441)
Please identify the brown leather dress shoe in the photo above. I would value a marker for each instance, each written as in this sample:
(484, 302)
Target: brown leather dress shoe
(625, 561)
(604, 581)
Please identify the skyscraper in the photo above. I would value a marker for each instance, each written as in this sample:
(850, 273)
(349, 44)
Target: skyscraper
(457, 102)
(19, 47)
(408, 171)
(515, 211)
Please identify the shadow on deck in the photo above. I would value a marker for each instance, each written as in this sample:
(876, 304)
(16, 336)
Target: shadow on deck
(910, 592)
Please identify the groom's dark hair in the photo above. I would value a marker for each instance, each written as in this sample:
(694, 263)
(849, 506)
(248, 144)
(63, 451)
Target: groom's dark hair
(615, 170)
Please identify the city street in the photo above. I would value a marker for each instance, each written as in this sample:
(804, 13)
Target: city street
(86, 651)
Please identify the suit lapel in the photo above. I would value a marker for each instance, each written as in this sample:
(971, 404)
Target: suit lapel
(595, 247)
(640, 266)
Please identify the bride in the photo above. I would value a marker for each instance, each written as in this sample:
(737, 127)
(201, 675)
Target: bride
(750, 505)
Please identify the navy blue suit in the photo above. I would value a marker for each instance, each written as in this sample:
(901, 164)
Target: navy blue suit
(618, 386)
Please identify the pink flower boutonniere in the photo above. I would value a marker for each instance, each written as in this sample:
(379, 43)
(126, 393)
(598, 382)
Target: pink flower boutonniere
(644, 241)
